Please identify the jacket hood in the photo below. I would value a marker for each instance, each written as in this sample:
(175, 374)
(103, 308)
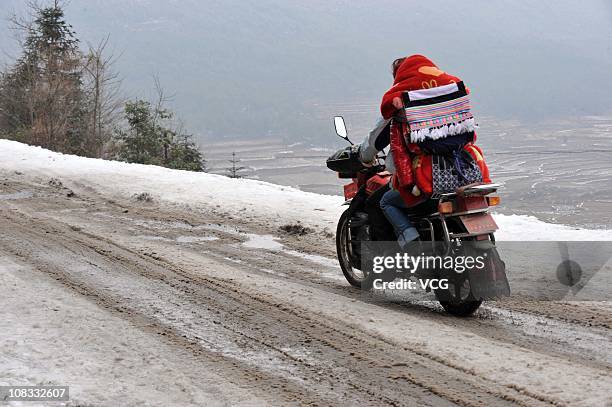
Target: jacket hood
(410, 68)
(414, 73)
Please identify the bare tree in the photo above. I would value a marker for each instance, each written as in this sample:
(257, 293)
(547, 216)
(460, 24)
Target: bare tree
(161, 100)
(103, 85)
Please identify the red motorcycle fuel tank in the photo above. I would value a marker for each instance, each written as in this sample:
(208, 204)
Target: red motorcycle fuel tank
(377, 181)
(350, 190)
(372, 184)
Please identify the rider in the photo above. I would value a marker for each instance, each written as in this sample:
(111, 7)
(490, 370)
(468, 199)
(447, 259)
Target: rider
(379, 137)
(376, 141)
(410, 74)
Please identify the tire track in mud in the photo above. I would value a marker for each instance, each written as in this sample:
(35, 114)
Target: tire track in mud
(518, 327)
(585, 314)
(255, 379)
(165, 218)
(272, 325)
(582, 314)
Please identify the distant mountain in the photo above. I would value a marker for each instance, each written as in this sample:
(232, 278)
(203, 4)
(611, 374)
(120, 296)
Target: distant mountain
(283, 67)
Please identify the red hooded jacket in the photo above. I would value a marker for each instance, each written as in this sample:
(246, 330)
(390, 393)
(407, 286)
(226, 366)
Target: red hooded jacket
(412, 167)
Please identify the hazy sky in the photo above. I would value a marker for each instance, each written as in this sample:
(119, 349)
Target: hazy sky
(284, 67)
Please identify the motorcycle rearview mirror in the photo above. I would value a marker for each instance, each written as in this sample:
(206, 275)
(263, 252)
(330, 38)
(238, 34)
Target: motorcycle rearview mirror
(341, 128)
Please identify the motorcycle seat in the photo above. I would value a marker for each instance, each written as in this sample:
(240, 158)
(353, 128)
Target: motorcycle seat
(423, 209)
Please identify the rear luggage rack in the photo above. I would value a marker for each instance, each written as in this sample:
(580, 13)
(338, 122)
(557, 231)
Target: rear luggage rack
(471, 190)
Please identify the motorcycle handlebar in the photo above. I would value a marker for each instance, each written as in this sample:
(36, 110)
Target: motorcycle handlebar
(375, 168)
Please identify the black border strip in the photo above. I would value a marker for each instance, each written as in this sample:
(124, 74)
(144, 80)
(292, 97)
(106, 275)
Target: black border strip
(438, 99)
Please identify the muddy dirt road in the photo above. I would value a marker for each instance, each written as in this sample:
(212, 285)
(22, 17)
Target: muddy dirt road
(132, 302)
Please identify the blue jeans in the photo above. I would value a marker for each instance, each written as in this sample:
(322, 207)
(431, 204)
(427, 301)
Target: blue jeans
(393, 206)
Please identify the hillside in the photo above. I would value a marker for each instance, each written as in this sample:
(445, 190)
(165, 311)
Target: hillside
(286, 67)
(182, 287)
(246, 199)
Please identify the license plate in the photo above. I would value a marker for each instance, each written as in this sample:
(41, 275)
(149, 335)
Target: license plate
(479, 223)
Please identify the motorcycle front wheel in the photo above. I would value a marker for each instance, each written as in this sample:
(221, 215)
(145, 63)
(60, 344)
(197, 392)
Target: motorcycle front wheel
(350, 262)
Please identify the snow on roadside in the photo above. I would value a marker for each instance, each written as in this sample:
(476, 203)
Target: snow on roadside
(242, 198)
(239, 197)
(530, 228)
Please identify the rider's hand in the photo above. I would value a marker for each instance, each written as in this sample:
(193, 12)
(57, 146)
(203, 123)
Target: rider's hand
(397, 103)
(368, 165)
(356, 149)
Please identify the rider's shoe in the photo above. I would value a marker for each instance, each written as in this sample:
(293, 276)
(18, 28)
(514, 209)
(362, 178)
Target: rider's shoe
(407, 236)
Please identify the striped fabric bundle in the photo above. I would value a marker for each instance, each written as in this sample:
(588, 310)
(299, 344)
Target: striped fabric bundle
(439, 112)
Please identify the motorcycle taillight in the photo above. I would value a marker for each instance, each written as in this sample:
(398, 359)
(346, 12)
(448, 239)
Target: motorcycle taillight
(445, 207)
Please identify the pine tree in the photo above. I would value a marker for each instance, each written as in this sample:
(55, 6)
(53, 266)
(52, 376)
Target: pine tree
(185, 155)
(41, 96)
(148, 141)
(142, 141)
(234, 170)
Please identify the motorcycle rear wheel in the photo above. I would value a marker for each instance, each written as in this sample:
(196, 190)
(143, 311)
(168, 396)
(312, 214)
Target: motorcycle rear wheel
(462, 303)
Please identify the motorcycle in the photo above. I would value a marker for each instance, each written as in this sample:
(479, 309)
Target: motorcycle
(453, 225)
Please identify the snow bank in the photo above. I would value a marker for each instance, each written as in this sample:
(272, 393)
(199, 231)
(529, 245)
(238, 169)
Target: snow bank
(530, 228)
(240, 198)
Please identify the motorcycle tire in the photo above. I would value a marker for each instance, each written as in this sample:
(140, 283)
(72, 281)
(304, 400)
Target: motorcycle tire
(348, 261)
(461, 307)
